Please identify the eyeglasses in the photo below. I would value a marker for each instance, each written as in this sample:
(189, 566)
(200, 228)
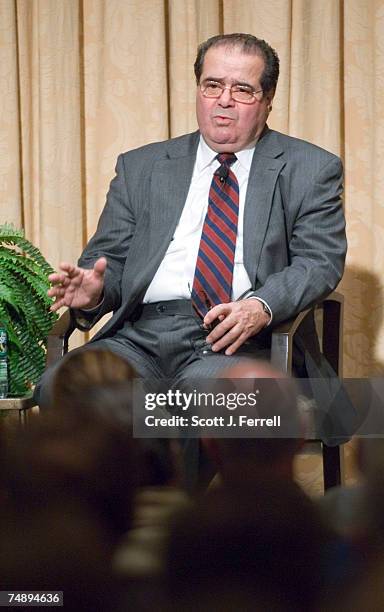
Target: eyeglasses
(239, 93)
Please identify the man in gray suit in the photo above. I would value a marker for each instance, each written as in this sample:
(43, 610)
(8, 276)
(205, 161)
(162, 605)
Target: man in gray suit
(140, 264)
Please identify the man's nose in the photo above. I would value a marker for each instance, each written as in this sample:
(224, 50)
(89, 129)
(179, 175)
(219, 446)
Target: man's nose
(226, 97)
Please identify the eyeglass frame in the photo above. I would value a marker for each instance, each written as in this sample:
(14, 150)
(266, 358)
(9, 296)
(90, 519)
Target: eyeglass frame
(230, 87)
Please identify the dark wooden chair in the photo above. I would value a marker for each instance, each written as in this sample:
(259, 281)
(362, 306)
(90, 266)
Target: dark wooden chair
(330, 337)
(331, 342)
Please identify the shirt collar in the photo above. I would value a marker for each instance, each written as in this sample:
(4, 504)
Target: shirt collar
(206, 156)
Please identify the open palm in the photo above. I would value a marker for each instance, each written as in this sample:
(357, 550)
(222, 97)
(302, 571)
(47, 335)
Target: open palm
(76, 287)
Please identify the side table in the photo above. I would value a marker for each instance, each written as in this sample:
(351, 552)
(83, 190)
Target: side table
(16, 409)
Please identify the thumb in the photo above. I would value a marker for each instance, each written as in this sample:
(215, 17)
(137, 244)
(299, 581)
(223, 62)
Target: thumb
(100, 266)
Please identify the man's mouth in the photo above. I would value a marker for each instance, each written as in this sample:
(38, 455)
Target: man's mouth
(223, 117)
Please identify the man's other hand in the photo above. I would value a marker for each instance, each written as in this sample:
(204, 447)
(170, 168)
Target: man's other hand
(77, 287)
(237, 322)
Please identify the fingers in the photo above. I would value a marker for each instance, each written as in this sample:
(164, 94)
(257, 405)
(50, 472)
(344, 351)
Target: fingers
(58, 281)
(223, 327)
(62, 299)
(224, 313)
(217, 312)
(232, 348)
(68, 271)
(237, 322)
(230, 338)
(56, 305)
(61, 285)
(100, 266)
(233, 339)
(56, 278)
(56, 291)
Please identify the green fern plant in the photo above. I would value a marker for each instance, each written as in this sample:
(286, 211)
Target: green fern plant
(24, 307)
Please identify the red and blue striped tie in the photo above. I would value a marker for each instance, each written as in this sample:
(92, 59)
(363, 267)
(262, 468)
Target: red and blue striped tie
(212, 283)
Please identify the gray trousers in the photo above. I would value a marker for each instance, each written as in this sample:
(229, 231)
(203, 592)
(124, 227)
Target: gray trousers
(166, 341)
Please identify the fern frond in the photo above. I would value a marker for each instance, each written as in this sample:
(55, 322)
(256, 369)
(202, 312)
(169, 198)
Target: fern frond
(24, 306)
(8, 232)
(15, 237)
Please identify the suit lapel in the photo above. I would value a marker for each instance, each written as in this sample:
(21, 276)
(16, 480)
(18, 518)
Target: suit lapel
(170, 181)
(265, 169)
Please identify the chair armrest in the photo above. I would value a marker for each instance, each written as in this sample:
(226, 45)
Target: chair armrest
(57, 344)
(282, 342)
(283, 334)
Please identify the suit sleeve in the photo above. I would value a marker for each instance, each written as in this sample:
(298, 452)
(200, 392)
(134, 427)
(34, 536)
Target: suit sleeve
(112, 239)
(317, 248)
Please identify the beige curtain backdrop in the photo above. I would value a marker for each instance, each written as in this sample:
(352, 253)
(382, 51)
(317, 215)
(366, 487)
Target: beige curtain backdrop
(83, 80)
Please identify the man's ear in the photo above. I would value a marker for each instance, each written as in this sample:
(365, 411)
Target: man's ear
(269, 99)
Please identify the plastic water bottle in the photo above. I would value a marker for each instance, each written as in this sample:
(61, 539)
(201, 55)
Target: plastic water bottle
(3, 362)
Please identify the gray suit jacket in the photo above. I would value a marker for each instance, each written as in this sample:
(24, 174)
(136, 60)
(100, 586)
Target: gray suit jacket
(294, 229)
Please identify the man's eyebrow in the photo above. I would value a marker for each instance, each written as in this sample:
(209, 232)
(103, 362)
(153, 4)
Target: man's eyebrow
(244, 84)
(218, 80)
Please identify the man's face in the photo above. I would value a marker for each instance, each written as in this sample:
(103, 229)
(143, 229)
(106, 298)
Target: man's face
(226, 125)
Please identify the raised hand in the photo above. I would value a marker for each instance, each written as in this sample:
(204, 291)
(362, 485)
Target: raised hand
(77, 287)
